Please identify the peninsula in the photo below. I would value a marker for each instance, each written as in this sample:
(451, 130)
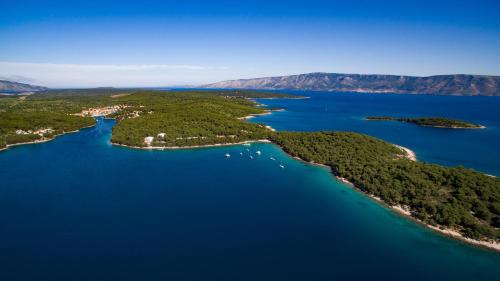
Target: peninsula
(436, 122)
(451, 199)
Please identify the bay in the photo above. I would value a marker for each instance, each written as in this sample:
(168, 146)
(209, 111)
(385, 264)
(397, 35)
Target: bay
(78, 208)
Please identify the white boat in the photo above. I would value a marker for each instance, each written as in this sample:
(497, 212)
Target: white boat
(248, 149)
(251, 157)
(258, 152)
(272, 158)
(246, 144)
(241, 153)
(281, 166)
(228, 155)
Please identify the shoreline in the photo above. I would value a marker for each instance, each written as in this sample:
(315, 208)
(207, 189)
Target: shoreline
(191, 146)
(410, 154)
(43, 140)
(250, 116)
(453, 127)
(404, 210)
(278, 98)
(268, 112)
(398, 209)
(430, 126)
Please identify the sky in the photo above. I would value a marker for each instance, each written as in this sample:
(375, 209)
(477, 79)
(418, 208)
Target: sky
(125, 43)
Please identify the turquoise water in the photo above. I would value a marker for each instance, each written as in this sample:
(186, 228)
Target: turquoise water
(477, 149)
(77, 208)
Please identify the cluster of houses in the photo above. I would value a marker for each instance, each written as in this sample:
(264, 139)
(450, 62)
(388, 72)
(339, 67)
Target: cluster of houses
(39, 132)
(149, 140)
(101, 111)
(108, 110)
(133, 114)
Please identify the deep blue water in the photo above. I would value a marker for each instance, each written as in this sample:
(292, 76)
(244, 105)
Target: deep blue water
(477, 149)
(77, 208)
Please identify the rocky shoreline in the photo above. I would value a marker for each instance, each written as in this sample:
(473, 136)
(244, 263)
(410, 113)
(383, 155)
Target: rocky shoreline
(405, 210)
(189, 147)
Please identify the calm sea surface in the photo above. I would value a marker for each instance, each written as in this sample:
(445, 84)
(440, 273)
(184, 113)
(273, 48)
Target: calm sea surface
(477, 149)
(77, 208)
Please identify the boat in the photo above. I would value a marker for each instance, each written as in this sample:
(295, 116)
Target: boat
(251, 157)
(246, 144)
(241, 153)
(228, 155)
(272, 158)
(258, 152)
(281, 166)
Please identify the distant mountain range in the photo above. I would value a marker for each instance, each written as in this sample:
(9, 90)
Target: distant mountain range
(470, 85)
(15, 87)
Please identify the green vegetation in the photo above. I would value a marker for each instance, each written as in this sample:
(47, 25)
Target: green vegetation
(456, 198)
(26, 120)
(186, 119)
(439, 122)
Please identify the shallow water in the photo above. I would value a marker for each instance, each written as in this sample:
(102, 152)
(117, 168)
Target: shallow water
(77, 208)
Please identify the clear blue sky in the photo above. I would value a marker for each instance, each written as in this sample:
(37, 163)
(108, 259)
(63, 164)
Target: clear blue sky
(161, 43)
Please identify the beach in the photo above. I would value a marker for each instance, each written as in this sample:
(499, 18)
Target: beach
(410, 154)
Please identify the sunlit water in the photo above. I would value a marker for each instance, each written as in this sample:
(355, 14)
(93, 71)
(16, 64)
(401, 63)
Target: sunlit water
(474, 148)
(77, 208)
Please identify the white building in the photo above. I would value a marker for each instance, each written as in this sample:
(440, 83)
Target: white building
(21, 132)
(148, 140)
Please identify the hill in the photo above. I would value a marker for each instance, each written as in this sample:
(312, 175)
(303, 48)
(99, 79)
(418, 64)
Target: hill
(460, 84)
(15, 87)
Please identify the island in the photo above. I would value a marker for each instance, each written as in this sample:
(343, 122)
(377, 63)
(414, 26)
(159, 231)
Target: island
(454, 200)
(458, 84)
(436, 122)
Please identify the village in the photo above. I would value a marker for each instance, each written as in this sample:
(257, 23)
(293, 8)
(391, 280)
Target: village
(40, 132)
(102, 111)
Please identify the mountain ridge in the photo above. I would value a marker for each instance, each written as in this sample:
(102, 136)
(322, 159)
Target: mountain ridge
(453, 84)
(16, 87)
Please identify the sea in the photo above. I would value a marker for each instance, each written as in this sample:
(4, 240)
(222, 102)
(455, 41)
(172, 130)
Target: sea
(78, 208)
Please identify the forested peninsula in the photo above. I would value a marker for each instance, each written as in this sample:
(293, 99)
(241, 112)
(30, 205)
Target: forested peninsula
(454, 199)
